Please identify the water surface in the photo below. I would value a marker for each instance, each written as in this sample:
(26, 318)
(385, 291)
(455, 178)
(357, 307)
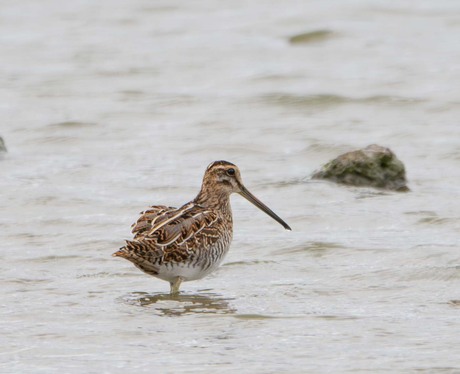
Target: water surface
(107, 107)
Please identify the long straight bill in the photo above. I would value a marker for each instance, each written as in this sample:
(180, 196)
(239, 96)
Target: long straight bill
(259, 204)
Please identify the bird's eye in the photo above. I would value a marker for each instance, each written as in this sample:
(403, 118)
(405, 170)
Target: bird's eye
(231, 172)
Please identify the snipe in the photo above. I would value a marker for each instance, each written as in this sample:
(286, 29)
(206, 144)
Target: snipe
(187, 243)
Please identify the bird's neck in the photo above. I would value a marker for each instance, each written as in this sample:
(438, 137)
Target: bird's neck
(218, 201)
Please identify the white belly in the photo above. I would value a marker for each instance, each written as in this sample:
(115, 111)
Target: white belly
(187, 272)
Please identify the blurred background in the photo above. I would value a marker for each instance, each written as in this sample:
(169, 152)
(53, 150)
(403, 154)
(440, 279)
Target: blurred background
(108, 107)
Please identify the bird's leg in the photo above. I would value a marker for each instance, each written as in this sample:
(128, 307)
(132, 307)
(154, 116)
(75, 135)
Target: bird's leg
(174, 290)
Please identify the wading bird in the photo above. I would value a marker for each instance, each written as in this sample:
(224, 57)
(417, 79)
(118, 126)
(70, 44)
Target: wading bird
(187, 243)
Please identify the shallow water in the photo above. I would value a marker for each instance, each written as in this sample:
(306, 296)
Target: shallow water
(109, 107)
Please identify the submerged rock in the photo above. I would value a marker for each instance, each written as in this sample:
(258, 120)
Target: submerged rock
(311, 37)
(373, 166)
(2, 145)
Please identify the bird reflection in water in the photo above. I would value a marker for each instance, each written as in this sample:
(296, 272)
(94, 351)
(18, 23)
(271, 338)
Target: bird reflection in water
(177, 305)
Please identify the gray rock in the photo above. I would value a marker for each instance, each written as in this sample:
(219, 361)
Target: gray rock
(373, 166)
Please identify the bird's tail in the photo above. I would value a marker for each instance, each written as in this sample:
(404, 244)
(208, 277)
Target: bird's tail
(122, 252)
(143, 257)
(134, 248)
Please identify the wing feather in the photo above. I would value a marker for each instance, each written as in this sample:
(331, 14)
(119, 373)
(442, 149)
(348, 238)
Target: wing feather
(148, 218)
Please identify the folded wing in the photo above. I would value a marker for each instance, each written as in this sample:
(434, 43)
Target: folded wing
(163, 234)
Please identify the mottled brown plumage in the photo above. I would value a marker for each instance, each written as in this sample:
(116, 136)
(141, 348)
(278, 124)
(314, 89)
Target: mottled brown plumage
(187, 243)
